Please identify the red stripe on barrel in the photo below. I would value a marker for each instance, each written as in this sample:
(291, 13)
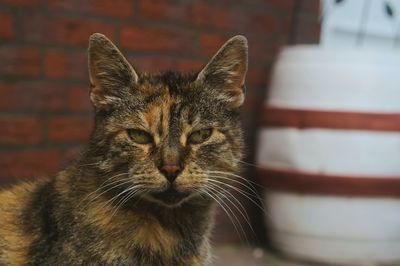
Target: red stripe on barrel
(300, 118)
(325, 184)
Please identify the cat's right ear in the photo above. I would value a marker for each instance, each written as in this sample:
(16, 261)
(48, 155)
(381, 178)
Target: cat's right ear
(111, 75)
(225, 74)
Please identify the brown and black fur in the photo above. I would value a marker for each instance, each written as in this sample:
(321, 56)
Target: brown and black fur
(85, 215)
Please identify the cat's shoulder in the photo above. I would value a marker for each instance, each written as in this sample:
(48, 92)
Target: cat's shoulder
(15, 195)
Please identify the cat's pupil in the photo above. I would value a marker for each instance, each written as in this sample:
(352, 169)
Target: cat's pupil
(200, 136)
(140, 136)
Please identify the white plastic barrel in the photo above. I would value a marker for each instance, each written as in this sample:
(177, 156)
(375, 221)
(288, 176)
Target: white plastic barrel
(329, 155)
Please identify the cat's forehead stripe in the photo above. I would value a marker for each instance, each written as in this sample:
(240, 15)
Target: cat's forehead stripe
(157, 115)
(166, 104)
(152, 115)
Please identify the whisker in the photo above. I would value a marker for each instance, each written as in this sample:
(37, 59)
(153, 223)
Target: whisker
(102, 186)
(243, 162)
(215, 197)
(108, 179)
(242, 192)
(241, 210)
(238, 176)
(124, 199)
(110, 201)
(114, 176)
(231, 211)
(120, 182)
(249, 184)
(227, 193)
(127, 196)
(87, 164)
(250, 188)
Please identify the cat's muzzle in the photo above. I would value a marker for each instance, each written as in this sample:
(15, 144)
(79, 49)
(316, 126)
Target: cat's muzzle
(170, 196)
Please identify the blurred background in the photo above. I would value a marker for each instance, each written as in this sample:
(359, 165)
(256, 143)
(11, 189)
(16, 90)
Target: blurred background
(46, 116)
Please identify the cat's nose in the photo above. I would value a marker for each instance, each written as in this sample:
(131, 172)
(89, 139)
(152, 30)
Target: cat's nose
(170, 171)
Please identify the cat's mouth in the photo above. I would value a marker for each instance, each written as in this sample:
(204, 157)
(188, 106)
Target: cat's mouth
(170, 196)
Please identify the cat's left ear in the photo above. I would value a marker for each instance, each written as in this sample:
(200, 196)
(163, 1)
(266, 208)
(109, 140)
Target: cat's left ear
(111, 76)
(225, 73)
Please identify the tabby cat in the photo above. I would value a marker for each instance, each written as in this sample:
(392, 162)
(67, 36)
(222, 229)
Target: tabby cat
(143, 191)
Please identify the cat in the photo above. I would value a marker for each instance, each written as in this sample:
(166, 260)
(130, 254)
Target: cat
(144, 189)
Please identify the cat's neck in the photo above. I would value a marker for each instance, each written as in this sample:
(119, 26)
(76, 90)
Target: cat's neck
(171, 229)
(139, 227)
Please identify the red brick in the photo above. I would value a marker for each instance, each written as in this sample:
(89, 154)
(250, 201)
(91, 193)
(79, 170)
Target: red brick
(264, 51)
(156, 39)
(257, 77)
(263, 22)
(70, 128)
(55, 64)
(286, 5)
(31, 96)
(153, 9)
(151, 63)
(62, 30)
(115, 8)
(163, 10)
(78, 99)
(286, 26)
(19, 61)
(307, 31)
(28, 164)
(187, 65)
(20, 2)
(206, 15)
(311, 6)
(210, 43)
(20, 130)
(7, 25)
(59, 64)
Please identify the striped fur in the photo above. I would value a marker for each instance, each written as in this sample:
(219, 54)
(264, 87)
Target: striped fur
(109, 206)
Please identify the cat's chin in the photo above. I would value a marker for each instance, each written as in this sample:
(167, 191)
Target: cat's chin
(169, 198)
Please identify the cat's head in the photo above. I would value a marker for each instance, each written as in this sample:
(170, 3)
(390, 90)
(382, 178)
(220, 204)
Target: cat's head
(170, 136)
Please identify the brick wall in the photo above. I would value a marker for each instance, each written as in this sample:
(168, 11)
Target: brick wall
(45, 114)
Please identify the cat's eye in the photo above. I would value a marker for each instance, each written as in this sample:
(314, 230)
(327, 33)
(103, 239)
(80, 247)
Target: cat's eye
(140, 136)
(200, 136)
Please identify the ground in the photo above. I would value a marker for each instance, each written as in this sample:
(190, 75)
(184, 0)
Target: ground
(241, 256)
